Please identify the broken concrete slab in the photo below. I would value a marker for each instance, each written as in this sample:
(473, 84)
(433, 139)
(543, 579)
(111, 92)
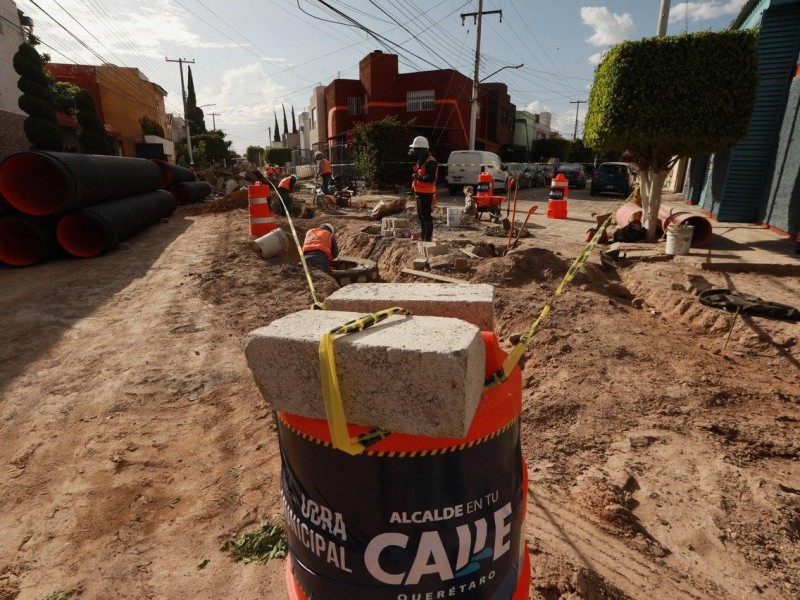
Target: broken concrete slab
(417, 375)
(420, 263)
(473, 303)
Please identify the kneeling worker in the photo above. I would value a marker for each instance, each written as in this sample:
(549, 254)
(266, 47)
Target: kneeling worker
(285, 190)
(320, 248)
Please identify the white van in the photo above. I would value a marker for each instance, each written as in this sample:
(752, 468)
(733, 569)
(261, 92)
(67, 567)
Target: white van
(464, 166)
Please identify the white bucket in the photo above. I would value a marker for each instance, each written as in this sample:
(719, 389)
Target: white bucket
(453, 216)
(679, 239)
(275, 243)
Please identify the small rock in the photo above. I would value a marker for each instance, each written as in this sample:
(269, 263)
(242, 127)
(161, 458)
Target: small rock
(461, 264)
(514, 338)
(637, 303)
(443, 261)
(678, 287)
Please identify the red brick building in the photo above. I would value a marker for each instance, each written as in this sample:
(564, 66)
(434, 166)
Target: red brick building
(438, 101)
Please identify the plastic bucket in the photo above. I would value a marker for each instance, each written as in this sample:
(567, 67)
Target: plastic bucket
(413, 516)
(274, 243)
(679, 239)
(453, 216)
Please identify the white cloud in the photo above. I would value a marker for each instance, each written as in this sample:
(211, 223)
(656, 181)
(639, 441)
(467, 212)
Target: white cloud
(536, 107)
(609, 28)
(701, 11)
(595, 59)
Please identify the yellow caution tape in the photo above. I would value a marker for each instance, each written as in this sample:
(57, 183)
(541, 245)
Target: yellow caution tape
(331, 393)
(317, 305)
(511, 361)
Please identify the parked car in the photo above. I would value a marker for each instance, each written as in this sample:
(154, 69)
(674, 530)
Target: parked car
(464, 167)
(615, 177)
(574, 174)
(536, 173)
(522, 177)
(546, 170)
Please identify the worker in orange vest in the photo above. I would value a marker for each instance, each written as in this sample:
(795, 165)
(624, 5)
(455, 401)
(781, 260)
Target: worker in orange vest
(286, 192)
(323, 168)
(424, 183)
(320, 248)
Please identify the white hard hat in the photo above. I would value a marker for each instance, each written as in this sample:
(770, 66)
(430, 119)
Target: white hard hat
(419, 142)
(327, 226)
(318, 154)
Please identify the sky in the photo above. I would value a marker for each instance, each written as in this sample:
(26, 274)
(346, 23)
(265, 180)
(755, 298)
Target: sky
(254, 56)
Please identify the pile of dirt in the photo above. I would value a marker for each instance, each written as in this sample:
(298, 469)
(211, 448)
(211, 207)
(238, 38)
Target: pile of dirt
(232, 201)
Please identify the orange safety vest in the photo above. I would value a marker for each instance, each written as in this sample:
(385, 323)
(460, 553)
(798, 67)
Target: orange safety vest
(285, 184)
(425, 187)
(319, 239)
(326, 167)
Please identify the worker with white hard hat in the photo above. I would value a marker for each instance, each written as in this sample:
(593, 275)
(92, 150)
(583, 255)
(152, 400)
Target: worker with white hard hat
(424, 183)
(323, 169)
(320, 248)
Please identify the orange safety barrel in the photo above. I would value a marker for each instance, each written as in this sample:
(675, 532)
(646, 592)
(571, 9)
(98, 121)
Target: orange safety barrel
(557, 202)
(262, 221)
(412, 516)
(485, 187)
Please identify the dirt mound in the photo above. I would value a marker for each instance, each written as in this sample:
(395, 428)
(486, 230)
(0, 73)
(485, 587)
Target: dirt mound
(232, 201)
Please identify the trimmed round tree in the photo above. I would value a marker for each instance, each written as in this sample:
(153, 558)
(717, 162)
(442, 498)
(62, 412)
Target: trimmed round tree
(41, 126)
(93, 136)
(666, 98)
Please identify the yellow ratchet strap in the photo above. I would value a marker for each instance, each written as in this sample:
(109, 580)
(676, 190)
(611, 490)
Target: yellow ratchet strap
(331, 393)
(511, 361)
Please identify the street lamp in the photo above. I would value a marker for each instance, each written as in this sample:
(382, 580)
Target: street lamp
(474, 101)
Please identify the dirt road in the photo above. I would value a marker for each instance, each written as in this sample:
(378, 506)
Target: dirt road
(135, 443)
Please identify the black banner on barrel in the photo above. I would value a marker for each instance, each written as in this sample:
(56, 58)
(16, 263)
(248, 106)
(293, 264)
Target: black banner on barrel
(406, 526)
(556, 194)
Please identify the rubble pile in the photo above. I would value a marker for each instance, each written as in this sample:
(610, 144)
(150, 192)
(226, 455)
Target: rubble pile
(226, 180)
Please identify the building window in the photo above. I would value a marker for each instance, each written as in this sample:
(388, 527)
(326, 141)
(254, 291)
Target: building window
(422, 100)
(314, 118)
(354, 106)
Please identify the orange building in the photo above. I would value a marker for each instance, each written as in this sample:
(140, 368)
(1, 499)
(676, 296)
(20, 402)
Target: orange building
(122, 96)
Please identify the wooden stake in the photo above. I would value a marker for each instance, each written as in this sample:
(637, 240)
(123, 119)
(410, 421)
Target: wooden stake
(730, 331)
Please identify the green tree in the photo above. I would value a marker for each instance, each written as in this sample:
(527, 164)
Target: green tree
(93, 138)
(544, 149)
(285, 124)
(41, 126)
(197, 122)
(294, 123)
(277, 137)
(151, 127)
(380, 152)
(63, 95)
(579, 153)
(255, 154)
(215, 148)
(670, 97)
(279, 156)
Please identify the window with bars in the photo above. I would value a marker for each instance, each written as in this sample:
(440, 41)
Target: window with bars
(421, 100)
(354, 105)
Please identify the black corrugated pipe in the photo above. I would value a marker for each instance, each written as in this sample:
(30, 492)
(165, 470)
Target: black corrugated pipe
(172, 174)
(25, 240)
(189, 192)
(96, 229)
(5, 207)
(45, 183)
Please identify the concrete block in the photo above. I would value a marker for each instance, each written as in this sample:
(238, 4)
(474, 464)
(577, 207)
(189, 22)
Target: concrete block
(430, 249)
(443, 261)
(416, 375)
(421, 263)
(471, 303)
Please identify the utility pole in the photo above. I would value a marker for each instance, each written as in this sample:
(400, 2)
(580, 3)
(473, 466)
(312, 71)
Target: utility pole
(213, 120)
(180, 62)
(577, 106)
(477, 18)
(663, 19)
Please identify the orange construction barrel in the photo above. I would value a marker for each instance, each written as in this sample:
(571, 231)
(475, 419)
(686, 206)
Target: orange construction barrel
(262, 221)
(412, 516)
(557, 202)
(485, 187)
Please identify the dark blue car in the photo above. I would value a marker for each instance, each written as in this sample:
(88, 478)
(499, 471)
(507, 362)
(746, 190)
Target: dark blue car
(613, 177)
(574, 174)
